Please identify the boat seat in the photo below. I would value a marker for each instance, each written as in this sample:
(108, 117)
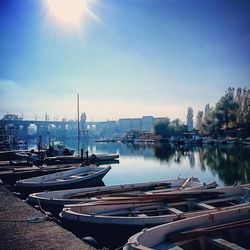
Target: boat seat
(224, 244)
(204, 206)
(75, 176)
(175, 211)
(142, 215)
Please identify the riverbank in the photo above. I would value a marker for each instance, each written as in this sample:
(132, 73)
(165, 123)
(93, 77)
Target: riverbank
(23, 227)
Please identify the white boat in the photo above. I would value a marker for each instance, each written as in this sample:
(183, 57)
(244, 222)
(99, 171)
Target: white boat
(55, 200)
(214, 230)
(83, 176)
(154, 209)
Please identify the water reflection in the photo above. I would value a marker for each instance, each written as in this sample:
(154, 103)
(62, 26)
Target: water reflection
(224, 163)
(229, 163)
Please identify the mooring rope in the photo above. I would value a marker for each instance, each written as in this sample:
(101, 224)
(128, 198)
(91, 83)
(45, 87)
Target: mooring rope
(40, 207)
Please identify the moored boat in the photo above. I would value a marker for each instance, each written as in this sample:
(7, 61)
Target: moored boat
(226, 229)
(126, 215)
(80, 177)
(55, 200)
(11, 176)
(152, 209)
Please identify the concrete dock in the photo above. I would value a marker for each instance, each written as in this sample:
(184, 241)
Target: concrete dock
(19, 229)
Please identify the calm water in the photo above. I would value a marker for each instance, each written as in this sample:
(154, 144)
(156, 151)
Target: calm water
(153, 162)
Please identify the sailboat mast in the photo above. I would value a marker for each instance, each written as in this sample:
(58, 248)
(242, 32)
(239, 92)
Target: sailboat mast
(78, 126)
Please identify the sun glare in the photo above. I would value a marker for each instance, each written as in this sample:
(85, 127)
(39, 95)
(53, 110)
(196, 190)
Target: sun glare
(69, 12)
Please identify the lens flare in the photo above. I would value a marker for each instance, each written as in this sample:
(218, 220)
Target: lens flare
(70, 12)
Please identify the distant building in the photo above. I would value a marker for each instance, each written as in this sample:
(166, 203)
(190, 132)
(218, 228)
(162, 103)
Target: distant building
(106, 128)
(136, 123)
(148, 123)
(124, 124)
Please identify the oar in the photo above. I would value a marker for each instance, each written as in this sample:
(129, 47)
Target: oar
(119, 190)
(185, 183)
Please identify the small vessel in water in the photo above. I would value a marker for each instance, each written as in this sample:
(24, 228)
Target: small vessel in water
(83, 176)
(126, 215)
(16, 173)
(226, 229)
(155, 208)
(55, 200)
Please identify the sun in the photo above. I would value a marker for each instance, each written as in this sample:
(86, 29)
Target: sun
(69, 12)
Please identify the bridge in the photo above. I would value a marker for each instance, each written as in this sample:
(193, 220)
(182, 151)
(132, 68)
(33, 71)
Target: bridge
(22, 128)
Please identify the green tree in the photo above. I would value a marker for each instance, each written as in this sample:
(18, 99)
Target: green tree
(177, 128)
(162, 128)
(190, 115)
(199, 122)
(246, 106)
(226, 109)
(211, 124)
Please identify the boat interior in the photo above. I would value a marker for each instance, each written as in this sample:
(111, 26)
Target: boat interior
(231, 236)
(161, 207)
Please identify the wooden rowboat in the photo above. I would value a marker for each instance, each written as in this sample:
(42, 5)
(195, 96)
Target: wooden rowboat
(55, 200)
(227, 229)
(79, 177)
(155, 209)
(18, 173)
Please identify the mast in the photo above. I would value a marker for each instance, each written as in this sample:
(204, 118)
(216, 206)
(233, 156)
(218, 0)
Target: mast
(78, 126)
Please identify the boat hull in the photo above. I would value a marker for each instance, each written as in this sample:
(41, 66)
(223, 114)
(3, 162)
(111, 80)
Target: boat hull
(54, 201)
(11, 177)
(148, 211)
(171, 235)
(26, 187)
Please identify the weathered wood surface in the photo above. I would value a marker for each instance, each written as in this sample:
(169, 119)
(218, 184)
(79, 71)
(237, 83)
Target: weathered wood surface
(17, 233)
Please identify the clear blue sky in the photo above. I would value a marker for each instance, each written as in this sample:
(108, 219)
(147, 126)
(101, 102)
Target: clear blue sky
(127, 58)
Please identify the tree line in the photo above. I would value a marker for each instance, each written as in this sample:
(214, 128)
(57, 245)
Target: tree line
(232, 111)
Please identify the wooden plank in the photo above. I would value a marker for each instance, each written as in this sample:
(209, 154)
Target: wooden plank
(204, 206)
(175, 211)
(118, 190)
(224, 244)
